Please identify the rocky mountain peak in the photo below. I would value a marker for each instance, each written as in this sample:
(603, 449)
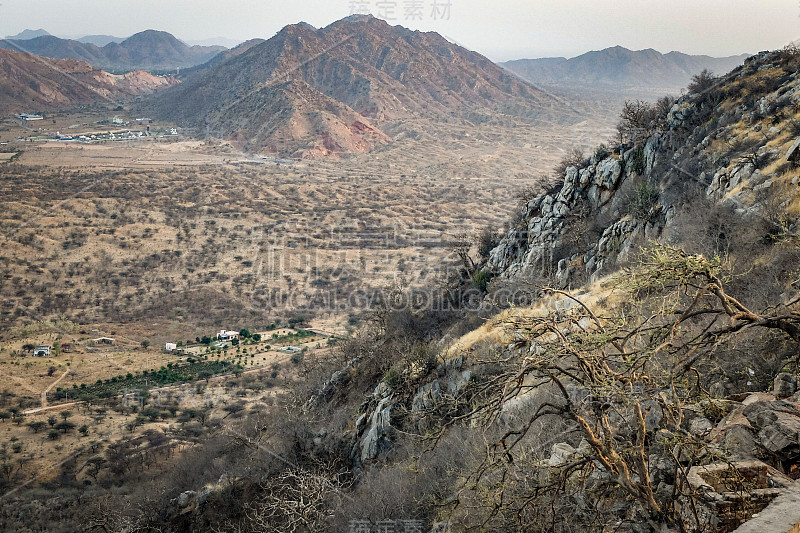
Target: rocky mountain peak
(376, 71)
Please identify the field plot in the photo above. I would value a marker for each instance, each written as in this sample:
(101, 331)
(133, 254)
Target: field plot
(98, 441)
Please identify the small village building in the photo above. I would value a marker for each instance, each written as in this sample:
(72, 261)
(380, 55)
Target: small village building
(66, 347)
(170, 347)
(291, 349)
(225, 335)
(41, 351)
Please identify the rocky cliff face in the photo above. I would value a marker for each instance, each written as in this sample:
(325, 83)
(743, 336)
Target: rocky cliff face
(733, 145)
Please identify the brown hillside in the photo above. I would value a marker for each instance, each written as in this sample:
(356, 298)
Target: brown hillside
(30, 83)
(371, 70)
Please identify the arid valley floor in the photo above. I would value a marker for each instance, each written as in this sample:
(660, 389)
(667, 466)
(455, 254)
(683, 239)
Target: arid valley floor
(154, 240)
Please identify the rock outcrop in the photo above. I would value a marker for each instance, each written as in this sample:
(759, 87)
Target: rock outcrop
(615, 201)
(548, 223)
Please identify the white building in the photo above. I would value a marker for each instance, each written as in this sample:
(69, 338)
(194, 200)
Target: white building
(292, 349)
(41, 351)
(170, 347)
(225, 335)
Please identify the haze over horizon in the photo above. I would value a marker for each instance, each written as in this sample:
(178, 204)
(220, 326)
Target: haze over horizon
(503, 30)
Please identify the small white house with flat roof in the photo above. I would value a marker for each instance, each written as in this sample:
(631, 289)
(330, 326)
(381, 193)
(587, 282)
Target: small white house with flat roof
(41, 351)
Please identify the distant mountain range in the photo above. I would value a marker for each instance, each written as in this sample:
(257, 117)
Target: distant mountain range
(100, 40)
(618, 67)
(30, 83)
(148, 50)
(216, 41)
(29, 34)
(312, 92)
(220, 58)
(309, 92)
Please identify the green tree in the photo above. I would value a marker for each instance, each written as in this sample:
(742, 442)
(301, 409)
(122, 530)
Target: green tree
(64, 426)
(37, 426)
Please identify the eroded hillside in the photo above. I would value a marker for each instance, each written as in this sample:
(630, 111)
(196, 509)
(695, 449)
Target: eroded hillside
(309, 92)
(31, 83)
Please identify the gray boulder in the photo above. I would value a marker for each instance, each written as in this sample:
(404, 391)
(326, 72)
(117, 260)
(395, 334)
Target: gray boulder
(609, 172)
(426, 397)
(560, 454)
(781, 435)
(739, 442)
(793, 154)
(778, 424)
(375, 437)
(653, 415)
(785, 385)
(700, 426)
(456, 378)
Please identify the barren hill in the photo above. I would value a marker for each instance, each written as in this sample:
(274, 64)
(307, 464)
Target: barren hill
(618, 67)
(373, 71)
(147, 50)
(29, 34)
(220, 58)
(32, 83)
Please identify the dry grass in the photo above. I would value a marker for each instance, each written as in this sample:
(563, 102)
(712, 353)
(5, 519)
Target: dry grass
(162, 241)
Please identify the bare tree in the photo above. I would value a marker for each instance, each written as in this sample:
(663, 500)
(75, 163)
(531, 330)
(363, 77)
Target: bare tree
(605, 375)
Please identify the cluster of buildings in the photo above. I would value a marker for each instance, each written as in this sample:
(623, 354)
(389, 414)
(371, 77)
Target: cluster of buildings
(222, 335)
(130, 135)
(45, 350)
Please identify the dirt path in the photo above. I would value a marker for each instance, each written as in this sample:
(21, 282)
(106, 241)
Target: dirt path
(53, 384)
(56, 406)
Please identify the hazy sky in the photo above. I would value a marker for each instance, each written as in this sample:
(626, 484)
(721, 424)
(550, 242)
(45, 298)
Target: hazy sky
(500, 29)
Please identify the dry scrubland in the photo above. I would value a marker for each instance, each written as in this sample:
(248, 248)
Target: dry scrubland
(36, 390)
(162, 241)
(99, 234)
(107, 438)
(582, 411)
